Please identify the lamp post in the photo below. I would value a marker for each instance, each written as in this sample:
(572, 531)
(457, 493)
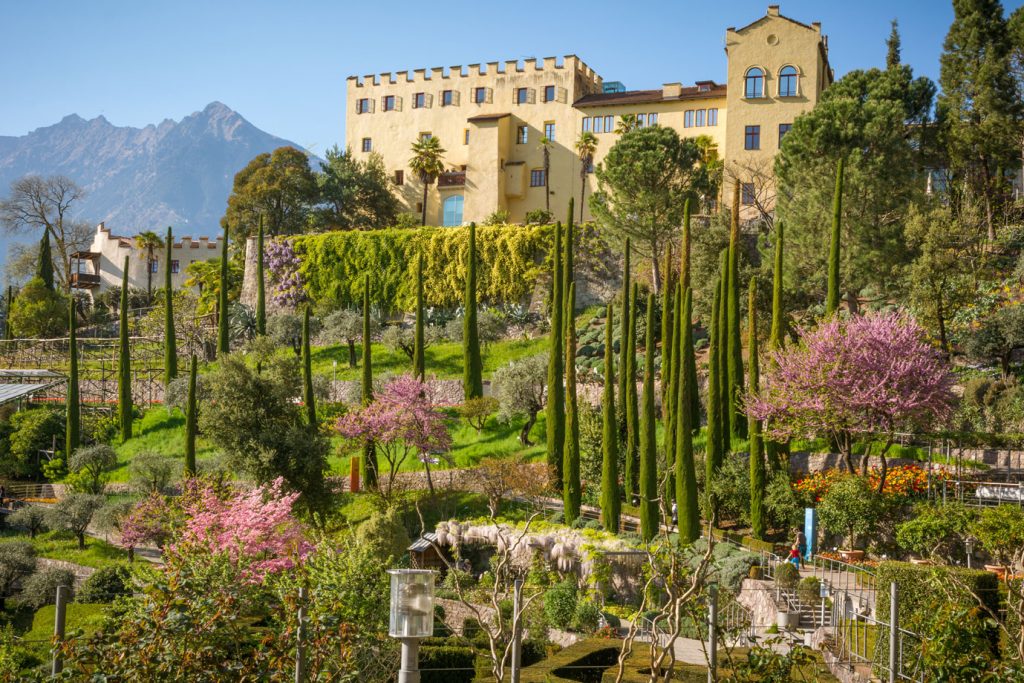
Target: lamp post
(969, 545)
(412, 616)
(334, 383)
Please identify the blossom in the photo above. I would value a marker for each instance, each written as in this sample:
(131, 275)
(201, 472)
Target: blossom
(287, 287)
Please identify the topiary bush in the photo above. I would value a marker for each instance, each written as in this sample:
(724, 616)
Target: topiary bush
(786, 576)
(40, 588)
(560, 604)
(104, 585)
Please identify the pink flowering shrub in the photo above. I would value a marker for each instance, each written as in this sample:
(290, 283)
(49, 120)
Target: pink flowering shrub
(152, 520)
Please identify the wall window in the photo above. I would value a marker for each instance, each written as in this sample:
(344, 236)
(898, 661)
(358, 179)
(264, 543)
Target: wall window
(522, 135)
(753, 83)
(788, 81)
(549, 130)
(425, 136)
(447, 98)
(641, 120)
(598, 124)
(399, 177)
(586, 124)
(752, 137)
(712, 117)
(522, 95)
(698, 118)
(367, 144)
(419, 100)
(537, 177)
(363, 105)
(389, 103)
(479, 95)
(465, 136)
(688, 118)
(154, 266)
(609, 124)
(747, 197)
(452, 210)
(549, 93)
(652, 119)
(783, 129)
(175, 266)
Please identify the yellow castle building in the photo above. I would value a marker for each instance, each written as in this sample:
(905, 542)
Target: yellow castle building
(492, 119)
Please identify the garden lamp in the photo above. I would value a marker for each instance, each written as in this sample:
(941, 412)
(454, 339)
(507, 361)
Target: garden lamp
(412, 616)
(969, 546)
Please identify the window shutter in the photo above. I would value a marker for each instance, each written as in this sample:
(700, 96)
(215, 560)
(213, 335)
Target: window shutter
(398, 103)
(561, 94)
(371, 105)
(455, 98)
(428, 100)
(489, 95)
(531, 96)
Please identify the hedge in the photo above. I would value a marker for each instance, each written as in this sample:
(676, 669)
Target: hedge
(599, 653)
(748, 542)
(447, 664)
(511, 259)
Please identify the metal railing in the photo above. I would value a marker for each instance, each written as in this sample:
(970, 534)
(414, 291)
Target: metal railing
(862, 640)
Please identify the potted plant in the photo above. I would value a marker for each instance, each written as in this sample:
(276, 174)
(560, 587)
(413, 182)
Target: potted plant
(934, 531)
(786, 578)
(850, 508)
(1000, 531)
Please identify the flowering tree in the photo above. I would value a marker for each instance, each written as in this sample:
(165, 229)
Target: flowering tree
(152, 520)
(402, 421)
(863, 378)
(287, 286)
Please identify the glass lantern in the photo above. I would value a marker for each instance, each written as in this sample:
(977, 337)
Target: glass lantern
(412, 603)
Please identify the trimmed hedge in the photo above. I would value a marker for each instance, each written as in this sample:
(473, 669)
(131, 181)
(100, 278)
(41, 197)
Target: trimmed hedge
(598, 653)
(746, 541)
(447, 664)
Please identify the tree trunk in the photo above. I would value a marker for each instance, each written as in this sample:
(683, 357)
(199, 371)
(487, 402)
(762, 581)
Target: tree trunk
(426, 186)
(351, 353)
(81, 540)
(524, 433)
(940, 317)
(851, 303)
(655, 272)
(430, 482)
(1004, 363)
(493, 506)
(149, 275)
(883, 470)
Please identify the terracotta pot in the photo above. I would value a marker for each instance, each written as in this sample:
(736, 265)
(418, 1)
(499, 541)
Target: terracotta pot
(920, 561)
(851, 555)
(999, 570)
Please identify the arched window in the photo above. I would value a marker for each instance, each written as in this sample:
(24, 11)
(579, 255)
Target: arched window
(753, 83)
(452, 211)
(788, 80)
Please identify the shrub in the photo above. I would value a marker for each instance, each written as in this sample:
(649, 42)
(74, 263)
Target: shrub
(31, 518)
(91, 463)
(450, 664)
(104, 584)
(786, 576)
(587, 617)
(1000, 530)
(851, 508)
(497, 217)
(41, 588)
(385, 533)
(405, 221)
(491, 326)
(33, 431)
(781, 504)
(465, 579)
(17, 560)
(809, 590)
(539, 217)
(560, 604)
(934, 530)
(39, 312)
(475, 411)
(731, 487)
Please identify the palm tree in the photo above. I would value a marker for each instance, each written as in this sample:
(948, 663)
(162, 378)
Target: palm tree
(545, 147)
(149, 241)
(427, 164)
(627, 122)
(586, 147)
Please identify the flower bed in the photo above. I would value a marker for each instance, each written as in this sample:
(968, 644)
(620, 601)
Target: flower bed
(901, 481)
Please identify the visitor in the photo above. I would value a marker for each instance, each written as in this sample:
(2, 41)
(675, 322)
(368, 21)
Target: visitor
(675, 515)
(801, 544)
(794, 556)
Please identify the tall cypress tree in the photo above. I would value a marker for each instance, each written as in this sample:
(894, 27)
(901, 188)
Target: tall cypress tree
(686, 475)
(666, 332)
(713, 451)
(892, 47)
(419, 364)
(73, 429)
(632, 403)
(672, 395)
(307, 374)
(737, 420)
(124, 367)
(568, 265)
(724, 386)
(223, 340)
(191, 420)
(369, 448)
(775, 338)
(648, 439)
(832, 298)
(555, 410)
(624, 333)
(572, 489)
(170, 336)
(757, 474)
(689, 360)
(472, 371)
(611, 501)
(684, 256)
(44, 268)
(261, 284)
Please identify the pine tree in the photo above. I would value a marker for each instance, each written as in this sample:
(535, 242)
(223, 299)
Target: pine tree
(419, 365)
(892, 45)
(572, 490)
(555, 410)
(307, 374)
(690, 365)
(223, 340)
(737, 420)
(757, 473)
(611, 499)
(124, 367)
(73, 423)
(44, 268)
(713, 450)
(472, 377)
(624, 334)
(369, 449)
(649, 517)
(724, 397)
(191, 421)
(632, 403)
(170, 337)
(686, 475)
(832, 299)
(261, 284)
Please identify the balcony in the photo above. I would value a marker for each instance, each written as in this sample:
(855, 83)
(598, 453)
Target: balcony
(451, 179)
(85, 280)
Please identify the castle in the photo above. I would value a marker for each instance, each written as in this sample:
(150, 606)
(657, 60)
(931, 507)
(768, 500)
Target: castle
(491, 120)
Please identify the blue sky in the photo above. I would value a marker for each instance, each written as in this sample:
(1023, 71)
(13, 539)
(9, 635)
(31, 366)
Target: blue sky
(283, 65)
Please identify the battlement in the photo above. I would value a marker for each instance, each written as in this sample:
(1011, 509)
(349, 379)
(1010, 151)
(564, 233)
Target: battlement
(511, 66)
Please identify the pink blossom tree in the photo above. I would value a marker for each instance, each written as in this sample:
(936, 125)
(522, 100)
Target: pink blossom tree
(403, 421)
(856, 379)
(152, 520)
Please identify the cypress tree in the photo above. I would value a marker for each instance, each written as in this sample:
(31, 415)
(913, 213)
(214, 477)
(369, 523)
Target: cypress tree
(672, 396)
(713, 450)
(191, 420)
(261, 284)
(648, 440)
(611, 502)
(724, 396)
(624, 335)
(44, 268)
(757, 474)
(419, 365)
(170, 336)
(832, 298)
(555, 410)
(307, 374)
(778, 322)
(689, 360)
(666, 332)
(223, 340)
(73, 430)
(632, 403)
(369, 449)
(568, 265)
(124, 368)
(737, 420)
(684, 257)
(571, 491)
(472, 377)
(686, 474)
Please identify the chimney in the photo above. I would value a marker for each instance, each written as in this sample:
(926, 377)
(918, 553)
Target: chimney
(671, 91)
(773, 10)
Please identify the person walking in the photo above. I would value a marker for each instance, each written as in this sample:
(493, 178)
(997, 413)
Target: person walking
(675, 515)
(800, 545)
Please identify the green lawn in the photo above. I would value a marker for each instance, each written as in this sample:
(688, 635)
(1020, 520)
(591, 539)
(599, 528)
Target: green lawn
(61, 545)
(161, 432)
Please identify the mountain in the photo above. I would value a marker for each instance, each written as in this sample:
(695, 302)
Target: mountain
(174, 173)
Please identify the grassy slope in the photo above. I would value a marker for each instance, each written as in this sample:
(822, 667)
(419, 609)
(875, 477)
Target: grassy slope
(61, 545)
(161, 432)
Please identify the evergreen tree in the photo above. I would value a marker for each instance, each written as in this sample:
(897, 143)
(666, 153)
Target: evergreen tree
(223, 340)
(73, 424)
(191, 420)
(686, 474)
(555, 410)
(689, 360)
(649, 517)
(775, 339)
(419, 365)
(369, 448)
(261, 284)
(757, 473)
(632, 403)
(8, 332)
(724, 396)
(569, 266)
(170, 336)
(737, 420)
(832, 298)
(666, 331)
(307, 374)
(624, 317)
(44, 268)
(892, 45)
(472, 377)
(684, 256)
(713, 455)
(611, 499)
(124, 367)
(672, 395)
(572, 490)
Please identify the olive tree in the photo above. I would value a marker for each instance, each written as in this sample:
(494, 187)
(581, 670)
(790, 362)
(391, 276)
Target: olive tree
(520, 388)
(74, 514)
